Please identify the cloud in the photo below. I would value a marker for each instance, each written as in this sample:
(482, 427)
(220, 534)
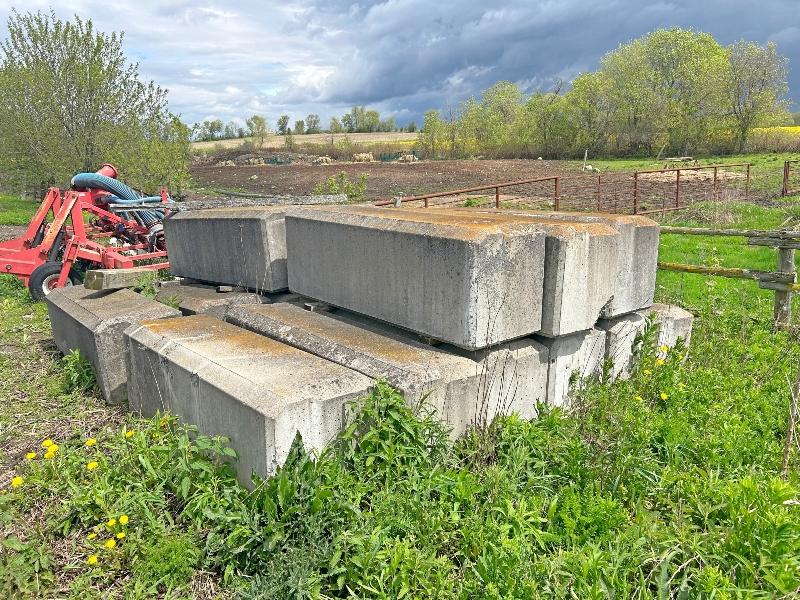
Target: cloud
(230, 59)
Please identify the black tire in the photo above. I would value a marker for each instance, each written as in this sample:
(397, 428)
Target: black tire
(44, 277)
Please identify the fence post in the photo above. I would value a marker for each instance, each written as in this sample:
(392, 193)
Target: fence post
(785, 186)
(598, 193)
(426, 202)
(497, 197)
(716, 181)
(747, 184)
(635, 192)
(677, 188)
(782, 312)
(557, 193)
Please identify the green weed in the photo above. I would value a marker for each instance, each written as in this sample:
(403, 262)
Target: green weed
(341, 184)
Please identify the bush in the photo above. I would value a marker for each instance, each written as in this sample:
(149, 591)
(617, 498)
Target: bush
(341, 184)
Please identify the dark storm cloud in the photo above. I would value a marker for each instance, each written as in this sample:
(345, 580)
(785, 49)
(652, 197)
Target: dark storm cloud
(230, 59)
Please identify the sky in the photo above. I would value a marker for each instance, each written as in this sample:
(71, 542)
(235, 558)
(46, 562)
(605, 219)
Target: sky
(229, 60)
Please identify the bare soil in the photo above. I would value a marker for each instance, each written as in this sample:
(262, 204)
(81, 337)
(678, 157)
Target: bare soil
(385, 180)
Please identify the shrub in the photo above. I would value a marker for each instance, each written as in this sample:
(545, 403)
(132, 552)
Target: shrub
(341, 184)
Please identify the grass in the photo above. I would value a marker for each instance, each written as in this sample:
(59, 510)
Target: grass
(665, 485)
(16, 211)
(278, 141)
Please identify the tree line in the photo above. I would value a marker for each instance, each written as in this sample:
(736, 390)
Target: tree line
(672, 91)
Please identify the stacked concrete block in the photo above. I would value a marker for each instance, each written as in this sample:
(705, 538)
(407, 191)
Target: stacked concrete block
(573, 359)
(202, 299)
(464, 389)
(637, 263)
(252, 389)
(466, 279)
(93, 322)
(240, 246)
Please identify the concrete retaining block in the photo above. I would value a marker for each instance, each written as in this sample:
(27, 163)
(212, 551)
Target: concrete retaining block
(464, 389)
(93, 323)
(572, 359)
(637, 262)
(228, 381)
(200, 299)
(461, 278)
(580, 270)
(242, 246)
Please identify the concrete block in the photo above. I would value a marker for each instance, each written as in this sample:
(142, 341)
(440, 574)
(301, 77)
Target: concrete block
(461, 278)
(200, 299)
(93, 322)
(242, 246)
(228, 381)
(580, 269)
(464, 388)
(637, 262)
(572, 359)
(674, 323)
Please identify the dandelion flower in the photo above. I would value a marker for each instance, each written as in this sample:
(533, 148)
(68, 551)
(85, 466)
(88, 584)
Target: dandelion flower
(53, 448)
(129, 433)
(120, 535)
(111, 522)
(110, 543)
(17, 481)
(92, 535)
(92, 465)
(47, 443)
(659, 361)
(92, 560)
(647, 372)
(90, 442)
(664, 396)
(639, 399)
(30, 455)
(50, 455)
(123, 519)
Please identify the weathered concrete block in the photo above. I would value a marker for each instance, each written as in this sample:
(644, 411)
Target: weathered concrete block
(621, 333)
(461, 278)
(200, 299)
(243, 246)
(637, 262)
(93, 322)
(580, 269)
(463, 389)
(573, 358)
(228, 381)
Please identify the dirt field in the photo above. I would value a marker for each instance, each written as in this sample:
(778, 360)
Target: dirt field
(278, 141)
(385, 179)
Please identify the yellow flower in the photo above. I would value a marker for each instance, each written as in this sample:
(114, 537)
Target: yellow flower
(92, 560)
(120, 535)
(664, 396)
(47, 443)
(92, 465)
(49, 455)
(647, 372)
(92, 535)
(53, 448)
(123, 519)
(664, 349)
(111, 522)
(90, 442)
(30, 455)
(110, 543)
(639, 399)
(129, 434)
(659, 361)
(17, 481)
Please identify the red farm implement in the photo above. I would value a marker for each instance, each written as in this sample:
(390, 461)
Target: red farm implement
(98, 223)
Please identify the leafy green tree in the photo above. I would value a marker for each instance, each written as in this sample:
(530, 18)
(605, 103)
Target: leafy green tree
(335, 126)
(312, 124)
(755, 87)
(283, 124)
(299, 127)
(257, 127)
(411, 127)
(433, 138)
(70, 100)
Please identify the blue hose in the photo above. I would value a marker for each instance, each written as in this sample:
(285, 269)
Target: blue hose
(123, 194)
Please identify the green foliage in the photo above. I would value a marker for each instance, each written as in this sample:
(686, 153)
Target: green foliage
(341, 184)
(25, 568)
(257, 126)
(77, 372)
(17, 211)
(169, 562)
(70, 101)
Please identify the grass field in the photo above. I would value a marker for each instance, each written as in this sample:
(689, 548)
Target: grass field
(279, 141)
(666, 485)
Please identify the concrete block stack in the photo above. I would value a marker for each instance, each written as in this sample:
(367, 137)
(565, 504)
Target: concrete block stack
(476, 313)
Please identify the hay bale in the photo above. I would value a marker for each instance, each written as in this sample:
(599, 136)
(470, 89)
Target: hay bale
(407, 158)
(363, 157)
(322, 160)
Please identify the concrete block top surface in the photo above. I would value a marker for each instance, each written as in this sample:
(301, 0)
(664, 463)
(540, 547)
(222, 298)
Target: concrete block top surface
(232, 212)
(104, 306)
(280, 375)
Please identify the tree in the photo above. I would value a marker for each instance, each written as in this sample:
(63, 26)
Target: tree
(336, 126)
(755, 87)
(257, 126)
(434, 133)
(299, 127)
(312, 124)
(283, 124)
(70, 101)
(411, 127)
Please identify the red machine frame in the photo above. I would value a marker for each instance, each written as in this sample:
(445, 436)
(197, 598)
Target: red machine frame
(45, 242)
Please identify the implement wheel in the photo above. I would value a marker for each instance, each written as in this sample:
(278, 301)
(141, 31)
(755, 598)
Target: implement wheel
(45, 278)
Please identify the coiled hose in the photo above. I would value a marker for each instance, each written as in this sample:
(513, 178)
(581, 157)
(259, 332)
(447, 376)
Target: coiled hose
(123, 194)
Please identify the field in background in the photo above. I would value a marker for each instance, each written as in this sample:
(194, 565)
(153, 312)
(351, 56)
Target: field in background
(273, 142)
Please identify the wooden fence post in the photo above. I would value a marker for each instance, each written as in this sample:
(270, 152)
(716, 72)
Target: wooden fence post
(635, 192)
(782, 312)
